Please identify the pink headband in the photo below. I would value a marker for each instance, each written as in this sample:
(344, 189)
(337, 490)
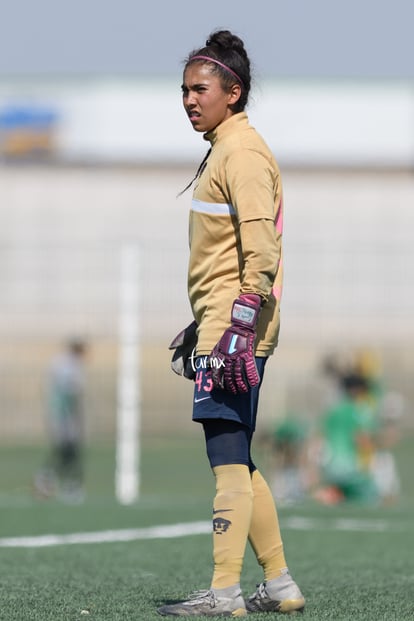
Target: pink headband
(218, 62)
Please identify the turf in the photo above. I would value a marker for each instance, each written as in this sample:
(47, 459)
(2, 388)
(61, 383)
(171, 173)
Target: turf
(345, 574)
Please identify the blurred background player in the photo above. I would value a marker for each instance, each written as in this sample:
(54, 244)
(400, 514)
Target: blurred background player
(285, 449)
(63, 474)
(360, 429)
(384, 467)
(347, 439)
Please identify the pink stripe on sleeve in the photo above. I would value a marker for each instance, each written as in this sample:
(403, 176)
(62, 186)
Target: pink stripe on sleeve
(279, 219)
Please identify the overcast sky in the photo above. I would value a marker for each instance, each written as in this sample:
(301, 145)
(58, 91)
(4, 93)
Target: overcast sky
(290, 38)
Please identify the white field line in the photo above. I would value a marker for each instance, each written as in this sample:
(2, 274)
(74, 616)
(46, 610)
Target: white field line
(184, 530)
(109, 536)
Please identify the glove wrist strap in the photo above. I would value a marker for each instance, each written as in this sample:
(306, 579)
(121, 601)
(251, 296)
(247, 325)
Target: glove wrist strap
(245, 310)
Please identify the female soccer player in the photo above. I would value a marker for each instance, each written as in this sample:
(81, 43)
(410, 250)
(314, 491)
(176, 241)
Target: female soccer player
(234, 285)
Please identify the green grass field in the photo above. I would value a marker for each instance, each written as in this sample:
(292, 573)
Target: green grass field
(351, 562)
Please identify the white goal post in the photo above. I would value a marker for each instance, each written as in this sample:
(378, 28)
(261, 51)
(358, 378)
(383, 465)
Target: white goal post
(127, 469)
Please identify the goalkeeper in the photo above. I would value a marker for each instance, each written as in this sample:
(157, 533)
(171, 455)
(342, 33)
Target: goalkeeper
(234, 286)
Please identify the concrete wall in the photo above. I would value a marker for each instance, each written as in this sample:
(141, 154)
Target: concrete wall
(349, 257)
(306, 122)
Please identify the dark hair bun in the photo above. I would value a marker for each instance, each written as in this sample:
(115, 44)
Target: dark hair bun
(227, 41)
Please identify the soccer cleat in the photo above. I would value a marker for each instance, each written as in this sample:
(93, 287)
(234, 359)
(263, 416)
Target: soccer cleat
(278, 595)
(207, 604)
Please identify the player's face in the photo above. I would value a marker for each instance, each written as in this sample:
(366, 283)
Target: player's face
(206, 103)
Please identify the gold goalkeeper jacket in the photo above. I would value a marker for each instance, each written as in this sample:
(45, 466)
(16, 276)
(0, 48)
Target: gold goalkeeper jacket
(235, 234)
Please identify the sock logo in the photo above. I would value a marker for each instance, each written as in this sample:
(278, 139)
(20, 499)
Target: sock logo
(220, 525)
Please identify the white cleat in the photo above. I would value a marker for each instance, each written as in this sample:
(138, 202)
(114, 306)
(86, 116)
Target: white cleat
(278, 595)
(207, 604)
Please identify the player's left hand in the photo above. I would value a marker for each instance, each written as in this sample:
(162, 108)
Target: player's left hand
(232, 361)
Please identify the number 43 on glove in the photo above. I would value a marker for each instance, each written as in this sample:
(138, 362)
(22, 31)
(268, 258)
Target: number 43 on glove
(232, 361)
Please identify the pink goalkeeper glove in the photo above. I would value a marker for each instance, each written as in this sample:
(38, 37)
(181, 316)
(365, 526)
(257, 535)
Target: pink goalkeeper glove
(232, 362)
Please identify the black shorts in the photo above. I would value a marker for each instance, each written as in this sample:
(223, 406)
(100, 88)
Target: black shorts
(214, 403)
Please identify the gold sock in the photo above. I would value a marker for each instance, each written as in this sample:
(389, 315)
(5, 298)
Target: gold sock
(231, 522)
(264, 534)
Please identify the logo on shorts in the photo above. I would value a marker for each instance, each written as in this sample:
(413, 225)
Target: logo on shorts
(198, 399)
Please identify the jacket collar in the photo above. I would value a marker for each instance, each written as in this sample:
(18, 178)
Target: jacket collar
(230, 125)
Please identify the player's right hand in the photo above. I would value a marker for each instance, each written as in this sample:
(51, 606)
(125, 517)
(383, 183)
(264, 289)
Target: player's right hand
(184, 345)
